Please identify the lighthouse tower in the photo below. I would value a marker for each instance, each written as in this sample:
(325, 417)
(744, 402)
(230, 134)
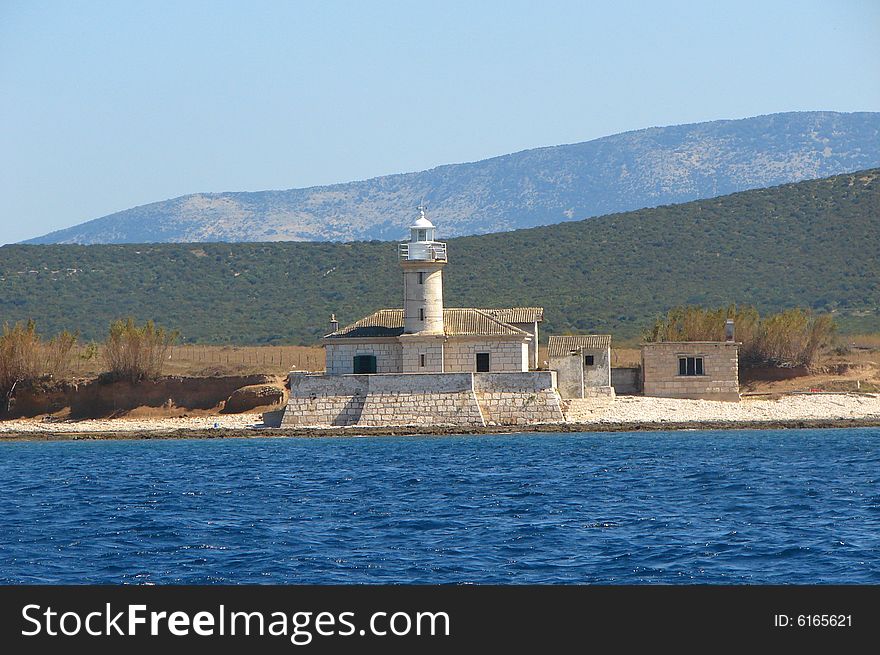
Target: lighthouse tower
(422, 260)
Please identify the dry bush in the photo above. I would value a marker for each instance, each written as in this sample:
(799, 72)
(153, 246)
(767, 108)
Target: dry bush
(19, 355)
(25, 357)
(794, 337)
(692, 323)
(137, 353)
(791, 338)
(58, 354)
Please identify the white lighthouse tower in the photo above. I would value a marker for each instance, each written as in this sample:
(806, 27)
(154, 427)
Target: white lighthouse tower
(422, 259)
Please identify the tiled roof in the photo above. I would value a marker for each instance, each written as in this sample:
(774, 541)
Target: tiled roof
(475, 322)
(562, 346)
(517, 314)
(384, 323)
(457, 322)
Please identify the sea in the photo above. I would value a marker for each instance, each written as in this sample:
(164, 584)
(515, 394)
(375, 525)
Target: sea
(683, 507)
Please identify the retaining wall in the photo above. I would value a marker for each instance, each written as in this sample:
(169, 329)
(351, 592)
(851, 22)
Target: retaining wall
(423, 399)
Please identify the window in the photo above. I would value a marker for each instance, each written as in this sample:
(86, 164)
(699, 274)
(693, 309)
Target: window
(589, 360)
(364, 364)
(422, 359)
(421, 277)
(423, 235)
(482, 362)
(421, 313)
(690, 366)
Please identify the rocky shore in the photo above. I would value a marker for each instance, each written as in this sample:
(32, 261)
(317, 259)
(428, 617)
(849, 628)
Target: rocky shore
(622, 414)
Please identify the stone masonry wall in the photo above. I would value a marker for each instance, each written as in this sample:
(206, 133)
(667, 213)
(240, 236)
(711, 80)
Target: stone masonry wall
(518, 398)
(721, 372)
(411, 356)
(461, 356)
(599, 374)
(569, 375)
(339, 357)
(626, 380)
(576, 379)
(531, 328)
(405, 408)
(422, 399)
(325, 400)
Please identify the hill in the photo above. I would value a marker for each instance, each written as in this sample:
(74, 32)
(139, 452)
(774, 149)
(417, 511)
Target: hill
(813, 243)
(633, 170)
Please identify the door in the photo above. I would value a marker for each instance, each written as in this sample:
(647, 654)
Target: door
(364, 363)
(482, 362)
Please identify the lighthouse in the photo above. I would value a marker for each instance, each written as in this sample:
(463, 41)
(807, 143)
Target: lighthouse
(422, 259)
(423, 336)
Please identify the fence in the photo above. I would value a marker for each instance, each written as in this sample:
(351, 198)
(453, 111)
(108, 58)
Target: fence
(183, 359)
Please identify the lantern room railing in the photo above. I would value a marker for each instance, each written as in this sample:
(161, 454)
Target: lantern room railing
(427, 251)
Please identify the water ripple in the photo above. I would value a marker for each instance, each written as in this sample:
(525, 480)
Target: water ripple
(794, 506)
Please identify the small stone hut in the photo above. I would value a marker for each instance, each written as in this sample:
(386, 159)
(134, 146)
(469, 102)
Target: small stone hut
(706, 370)
(582, 363)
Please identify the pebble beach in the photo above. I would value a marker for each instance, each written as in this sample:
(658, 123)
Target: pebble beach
(624, 410)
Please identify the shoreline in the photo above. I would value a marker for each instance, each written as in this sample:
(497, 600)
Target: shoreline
(256, 432)
(623, 414)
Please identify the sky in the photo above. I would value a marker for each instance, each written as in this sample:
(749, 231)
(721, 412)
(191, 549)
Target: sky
(109, 105)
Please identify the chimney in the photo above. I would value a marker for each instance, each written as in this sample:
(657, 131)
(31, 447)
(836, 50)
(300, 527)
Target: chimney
(334, 324)
(728, 330)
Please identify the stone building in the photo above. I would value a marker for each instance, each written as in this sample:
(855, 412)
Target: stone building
(706, 370)
(525, 319)
(582, 364)
(425, 364)
(425, 337)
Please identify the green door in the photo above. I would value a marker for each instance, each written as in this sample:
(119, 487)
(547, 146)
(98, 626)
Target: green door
(364, 363)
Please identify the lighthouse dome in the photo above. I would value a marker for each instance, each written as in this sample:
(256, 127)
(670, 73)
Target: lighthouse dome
(421, 245)
(422, 223)
(422, 230)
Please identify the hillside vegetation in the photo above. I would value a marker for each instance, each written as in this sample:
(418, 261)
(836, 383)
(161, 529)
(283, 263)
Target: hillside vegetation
(812, 244)
(623, 172)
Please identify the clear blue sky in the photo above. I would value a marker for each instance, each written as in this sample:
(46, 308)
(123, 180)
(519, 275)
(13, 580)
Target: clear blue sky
(108, 105)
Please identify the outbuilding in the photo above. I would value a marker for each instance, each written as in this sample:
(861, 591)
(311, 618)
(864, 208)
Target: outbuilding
(582, 363)
(706, 370)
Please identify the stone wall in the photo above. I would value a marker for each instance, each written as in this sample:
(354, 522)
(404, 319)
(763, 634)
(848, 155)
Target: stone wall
(518, 398)
(504, 355)
(412, 350)
(720, 379)
(339, 357)
(569, 375)
(457, 355)
(576, 378)
(599, 374)
(626, 380)
(532, 329)
(325, 399)
(422, 399)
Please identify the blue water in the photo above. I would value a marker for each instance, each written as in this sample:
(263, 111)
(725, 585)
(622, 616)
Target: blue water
(788, 506)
